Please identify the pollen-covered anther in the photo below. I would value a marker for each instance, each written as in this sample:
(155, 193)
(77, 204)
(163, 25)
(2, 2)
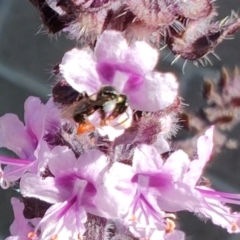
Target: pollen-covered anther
(32, 235)
(234, 227)
(54, 237)
(170, 225)
(4, 183)
(133, 218)
(79, 236)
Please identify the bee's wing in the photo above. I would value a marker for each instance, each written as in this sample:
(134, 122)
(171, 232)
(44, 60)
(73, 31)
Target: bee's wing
(93, 97)
(84, 106)
(68, 111)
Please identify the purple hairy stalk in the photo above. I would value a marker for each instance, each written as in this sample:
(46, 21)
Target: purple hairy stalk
(188, 28)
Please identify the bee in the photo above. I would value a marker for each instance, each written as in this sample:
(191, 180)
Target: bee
(107, 101)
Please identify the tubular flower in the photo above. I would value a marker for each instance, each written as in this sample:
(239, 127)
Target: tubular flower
(95, 162)
(21, 227)
(25, 140)
(128, 68)
(128, 183)
(70, 190)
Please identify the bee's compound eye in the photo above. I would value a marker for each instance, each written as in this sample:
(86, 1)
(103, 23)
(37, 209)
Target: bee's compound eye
(85, 127)
(120, 99)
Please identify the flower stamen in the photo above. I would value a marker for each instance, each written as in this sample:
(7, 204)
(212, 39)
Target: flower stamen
(133, 218)
(4, 183)
(79, 237)
(55, 237)
(234, 227)
(32, 235)
(170, 226)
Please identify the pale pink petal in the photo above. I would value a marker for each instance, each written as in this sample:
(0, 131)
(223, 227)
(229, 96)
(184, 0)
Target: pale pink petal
(110, 46)
(161, 145)
(32, 185)
(15, 238)
(33, 114)
(220, 215)
(64, 220)
(158, 91)
(14, 136)
(61, 160)
(179, 197)
(147, 231)
(141, 57)
(117, 185)
(204, 147)
(19, 222)
(176, 165)
(111, 132)
(39, 117)
(92, 165)
(21, 226)
(146, 159)
(78, 67)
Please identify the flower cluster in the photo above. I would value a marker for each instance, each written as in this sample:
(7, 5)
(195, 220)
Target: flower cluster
(186, 27)
(94, 162)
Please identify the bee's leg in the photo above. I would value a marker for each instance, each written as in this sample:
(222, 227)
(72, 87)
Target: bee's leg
(81, 96)
(118, 110)
(123, 120)
(92, 138)
(103, 117)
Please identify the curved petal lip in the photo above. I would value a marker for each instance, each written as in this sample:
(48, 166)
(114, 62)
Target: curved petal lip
(158, 91)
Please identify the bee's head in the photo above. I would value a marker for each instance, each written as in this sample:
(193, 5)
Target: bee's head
(122, 99)
(107, 92)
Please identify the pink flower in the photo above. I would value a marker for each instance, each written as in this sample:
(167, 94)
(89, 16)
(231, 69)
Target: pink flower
(24, 140)
(21, 227)
(151, 187)
(136, 186)
(186, 195)
(71, 190)
(128, 68)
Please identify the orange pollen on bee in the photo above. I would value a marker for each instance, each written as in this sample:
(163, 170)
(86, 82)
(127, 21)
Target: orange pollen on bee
(85, 127)
(32, 235)
(170, 225)
(234, 227)
(55, 237)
